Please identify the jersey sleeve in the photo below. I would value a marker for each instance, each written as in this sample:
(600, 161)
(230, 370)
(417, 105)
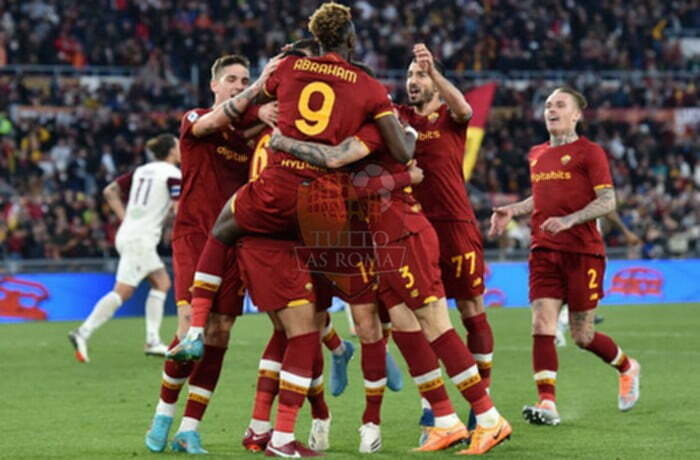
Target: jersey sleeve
(174, 187)
(598, 169)
(273, 81)
(379, 101)
(124, 183)
(188, 121)
(370, 136)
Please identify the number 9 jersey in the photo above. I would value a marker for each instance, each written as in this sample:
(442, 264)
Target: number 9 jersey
(322, 99)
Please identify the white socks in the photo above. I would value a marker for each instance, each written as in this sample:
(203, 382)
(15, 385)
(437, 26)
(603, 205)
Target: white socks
(260, 426)
(164, 408)
(280, 438)
(488, 419)
(102, 311)
(446, 421)
(154, 315)
(188, 424)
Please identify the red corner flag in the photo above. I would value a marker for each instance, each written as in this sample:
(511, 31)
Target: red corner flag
(480, 98)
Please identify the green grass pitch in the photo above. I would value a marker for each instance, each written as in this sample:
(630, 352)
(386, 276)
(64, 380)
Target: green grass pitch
(55, 407)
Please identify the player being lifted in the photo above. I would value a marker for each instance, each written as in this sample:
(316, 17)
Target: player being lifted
(571, 187)
(326, 99)
(215, 161)
(151, 189)
(440, 114)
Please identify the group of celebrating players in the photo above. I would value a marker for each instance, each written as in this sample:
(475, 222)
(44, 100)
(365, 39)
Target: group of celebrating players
(309, 183)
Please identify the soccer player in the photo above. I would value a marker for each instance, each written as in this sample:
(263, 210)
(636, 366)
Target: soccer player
(412, 290)
(215, 161)
(571, 187)
(152, 189)
(440, 114)
(343, 97)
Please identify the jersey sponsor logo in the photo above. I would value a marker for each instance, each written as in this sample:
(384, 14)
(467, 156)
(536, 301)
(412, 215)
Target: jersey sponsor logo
(305, 65)
(231, 155)
(192, 117)
(429, 135)
(551, 175)
(298, 164)
(565, 159)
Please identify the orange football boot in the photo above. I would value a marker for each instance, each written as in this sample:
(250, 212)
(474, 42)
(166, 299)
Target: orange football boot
(442, 438)
(485, 439)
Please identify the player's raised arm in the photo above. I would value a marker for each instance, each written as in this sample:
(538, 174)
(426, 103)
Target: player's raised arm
(459, 107)
(232, 109)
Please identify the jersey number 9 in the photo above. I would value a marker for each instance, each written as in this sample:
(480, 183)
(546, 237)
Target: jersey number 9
(314, 122)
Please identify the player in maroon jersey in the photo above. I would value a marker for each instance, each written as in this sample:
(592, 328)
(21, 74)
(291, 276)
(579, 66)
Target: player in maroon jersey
(215, 161)
(413, 292)
(440, 114)
(571, 187)
(323, 98)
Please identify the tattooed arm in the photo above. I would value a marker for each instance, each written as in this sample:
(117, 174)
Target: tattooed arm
(324, 156)
(233, 109)
(503, 214)
(602, 205)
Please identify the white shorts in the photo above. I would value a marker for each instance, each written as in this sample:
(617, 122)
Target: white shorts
(137, 260)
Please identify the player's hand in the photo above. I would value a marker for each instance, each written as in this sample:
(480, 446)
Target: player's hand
(189, 348)
(424, 58)
(499, 220)
(555, 225)
(268, 114)
(270, 67)
(415, 172)
(631, 239)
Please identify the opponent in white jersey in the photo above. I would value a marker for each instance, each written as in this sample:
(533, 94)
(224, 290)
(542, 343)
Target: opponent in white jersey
(152, 189)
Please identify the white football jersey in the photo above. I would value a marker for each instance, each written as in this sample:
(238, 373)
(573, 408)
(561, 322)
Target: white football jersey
(153, 188)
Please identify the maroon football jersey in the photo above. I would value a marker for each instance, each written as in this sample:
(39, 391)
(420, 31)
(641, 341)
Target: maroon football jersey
(564, 180)
(439, 151)
(213, 167)
(395, 213)
(322, 99)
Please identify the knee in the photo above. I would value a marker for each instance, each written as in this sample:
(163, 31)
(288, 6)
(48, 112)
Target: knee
(582, 338)
(368, 331)
(218, 330)
(471, 307)
(164, 285)
(542, 325)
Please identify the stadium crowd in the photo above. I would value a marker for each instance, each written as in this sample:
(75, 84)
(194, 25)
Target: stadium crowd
(465, 34)
(53, 168)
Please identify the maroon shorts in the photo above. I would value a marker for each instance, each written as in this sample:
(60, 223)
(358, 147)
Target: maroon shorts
(575, 278)
(186, 251)
(413, 278)
(273, 275)
(266, 207)
(461, 259)
(362, 292)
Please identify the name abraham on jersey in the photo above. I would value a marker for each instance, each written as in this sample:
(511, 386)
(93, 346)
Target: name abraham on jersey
(306, 65)
(231, 155)
(551, 175)
(429, 135)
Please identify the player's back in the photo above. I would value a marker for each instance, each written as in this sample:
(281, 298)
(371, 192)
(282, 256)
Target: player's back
(153, 186)
(324, 99)
(213, 168)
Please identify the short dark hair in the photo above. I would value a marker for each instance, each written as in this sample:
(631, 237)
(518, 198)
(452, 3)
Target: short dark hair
(578, 97)
(307, 44)
(161, 145)
(227, 60)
